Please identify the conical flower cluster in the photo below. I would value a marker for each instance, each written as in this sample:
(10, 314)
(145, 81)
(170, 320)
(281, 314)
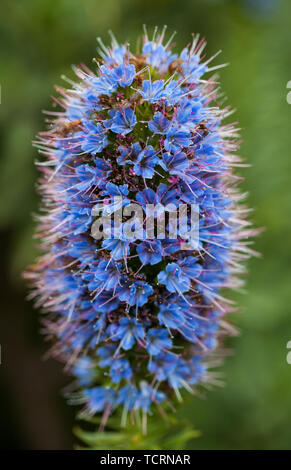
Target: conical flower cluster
(135, 316)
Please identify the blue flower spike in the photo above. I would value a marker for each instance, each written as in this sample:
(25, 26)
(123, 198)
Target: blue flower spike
(137, 318)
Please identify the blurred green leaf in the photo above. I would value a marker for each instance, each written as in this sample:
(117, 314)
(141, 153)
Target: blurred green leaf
(160, 435)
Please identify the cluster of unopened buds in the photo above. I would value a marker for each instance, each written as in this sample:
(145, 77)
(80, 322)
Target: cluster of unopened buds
(139, 319)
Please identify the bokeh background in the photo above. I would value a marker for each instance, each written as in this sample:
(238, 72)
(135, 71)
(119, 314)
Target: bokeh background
(38, 42)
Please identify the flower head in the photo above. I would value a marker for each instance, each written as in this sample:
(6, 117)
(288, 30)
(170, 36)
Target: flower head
(136, 318)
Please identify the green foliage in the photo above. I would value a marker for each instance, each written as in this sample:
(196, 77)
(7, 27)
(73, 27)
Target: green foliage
(161, 435)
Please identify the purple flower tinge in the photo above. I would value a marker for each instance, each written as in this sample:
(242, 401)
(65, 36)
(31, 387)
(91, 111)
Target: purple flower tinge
(137, 319)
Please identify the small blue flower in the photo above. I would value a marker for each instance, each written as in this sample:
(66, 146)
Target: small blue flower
(112, 189)
(118, 247)
(210, 342)
(189, 267)
(173, 93)
(82, 251)
(117, 54)
(191, 66)
(147, 196)
(146, 161)
(106, 355)
(78, 220)
(105, 302)
(94, 139)
(157, 55)
(106, 84)
(139, 293)
(175, 163)
(87, 176)
(128, 397)
(147, 396)
(152, 91)
(117, 200)
(171, 316)
(150, 252)
(124, 74)
(90, 176)
(128, 154)
(119, 370)
(107, 276)
(102, 167)
(83, 369)
(128, 331)
(178, 375)
(122, 122)
(198, 370)
(184, 113)
(160, 124)
(100, 398)
(157, 341)
(74, 111)
(162, 364)
(176, 139)
(173, 279)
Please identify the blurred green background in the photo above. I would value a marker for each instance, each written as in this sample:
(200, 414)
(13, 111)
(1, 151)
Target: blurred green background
(38, 42)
